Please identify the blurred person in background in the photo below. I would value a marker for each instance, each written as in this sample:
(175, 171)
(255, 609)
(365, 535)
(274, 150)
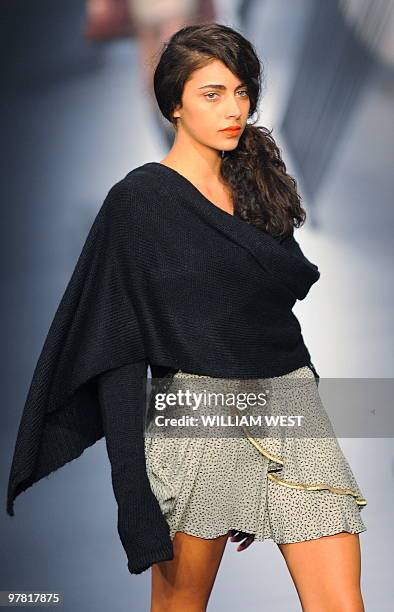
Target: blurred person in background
(154, 23)
(150, 22)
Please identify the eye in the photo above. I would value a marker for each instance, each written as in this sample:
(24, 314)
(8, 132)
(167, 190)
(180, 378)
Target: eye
(211, 93)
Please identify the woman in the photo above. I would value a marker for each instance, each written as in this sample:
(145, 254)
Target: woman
(206, 84)
(191, 267)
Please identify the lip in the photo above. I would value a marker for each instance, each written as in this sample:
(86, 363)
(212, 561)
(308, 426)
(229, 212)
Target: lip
(231, 130)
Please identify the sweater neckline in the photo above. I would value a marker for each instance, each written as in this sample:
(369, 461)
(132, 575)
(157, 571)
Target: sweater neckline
(193, 189)
(287, 264)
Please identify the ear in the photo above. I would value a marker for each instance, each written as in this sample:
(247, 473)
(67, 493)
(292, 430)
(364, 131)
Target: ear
(176, 113)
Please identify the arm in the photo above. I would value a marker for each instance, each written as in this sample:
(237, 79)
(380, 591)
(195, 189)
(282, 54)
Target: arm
(142, 527)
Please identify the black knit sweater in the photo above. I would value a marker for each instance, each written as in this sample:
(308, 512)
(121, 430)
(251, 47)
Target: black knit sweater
(166, 279)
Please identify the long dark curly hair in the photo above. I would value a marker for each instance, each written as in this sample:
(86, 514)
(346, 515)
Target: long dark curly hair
(263, 192)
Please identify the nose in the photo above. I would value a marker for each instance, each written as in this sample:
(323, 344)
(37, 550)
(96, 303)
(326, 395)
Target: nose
(233, 108)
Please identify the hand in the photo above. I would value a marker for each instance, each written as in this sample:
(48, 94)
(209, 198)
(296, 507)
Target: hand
(236, 536)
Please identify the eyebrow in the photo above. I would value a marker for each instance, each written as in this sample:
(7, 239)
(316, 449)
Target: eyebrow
(218, 86)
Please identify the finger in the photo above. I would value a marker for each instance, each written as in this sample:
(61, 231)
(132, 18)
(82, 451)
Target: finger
(238, 536)
(234, 531)
(245, 544)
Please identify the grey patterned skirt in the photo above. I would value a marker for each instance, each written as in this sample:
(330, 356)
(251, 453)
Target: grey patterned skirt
(280, 487)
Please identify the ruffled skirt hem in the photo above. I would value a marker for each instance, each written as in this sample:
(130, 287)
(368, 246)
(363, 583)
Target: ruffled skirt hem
(208, 486)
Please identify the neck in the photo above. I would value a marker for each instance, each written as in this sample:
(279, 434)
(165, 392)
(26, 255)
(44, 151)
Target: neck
(198, 163)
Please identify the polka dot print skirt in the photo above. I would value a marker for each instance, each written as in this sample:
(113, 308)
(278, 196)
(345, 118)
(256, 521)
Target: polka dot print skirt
(279, 487)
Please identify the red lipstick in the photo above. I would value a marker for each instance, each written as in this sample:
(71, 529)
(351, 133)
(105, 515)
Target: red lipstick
(233, 129)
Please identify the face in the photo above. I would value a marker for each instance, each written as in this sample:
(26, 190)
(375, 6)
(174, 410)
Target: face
(214, 99)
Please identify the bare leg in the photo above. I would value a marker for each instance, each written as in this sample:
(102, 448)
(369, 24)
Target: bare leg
(326, 572)
(186, 582)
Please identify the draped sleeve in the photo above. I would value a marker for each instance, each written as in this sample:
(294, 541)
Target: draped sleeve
(142, 529)
(94, 340)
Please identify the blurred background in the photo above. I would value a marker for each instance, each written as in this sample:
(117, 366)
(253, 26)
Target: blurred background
(77, 114)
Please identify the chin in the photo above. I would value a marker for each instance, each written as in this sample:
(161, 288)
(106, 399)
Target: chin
(235, 145)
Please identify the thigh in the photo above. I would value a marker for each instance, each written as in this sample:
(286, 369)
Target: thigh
(185, 582)
(326, 572)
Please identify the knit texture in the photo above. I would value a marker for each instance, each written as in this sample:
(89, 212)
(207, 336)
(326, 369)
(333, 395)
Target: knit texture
(165, 277)
(141, 526)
